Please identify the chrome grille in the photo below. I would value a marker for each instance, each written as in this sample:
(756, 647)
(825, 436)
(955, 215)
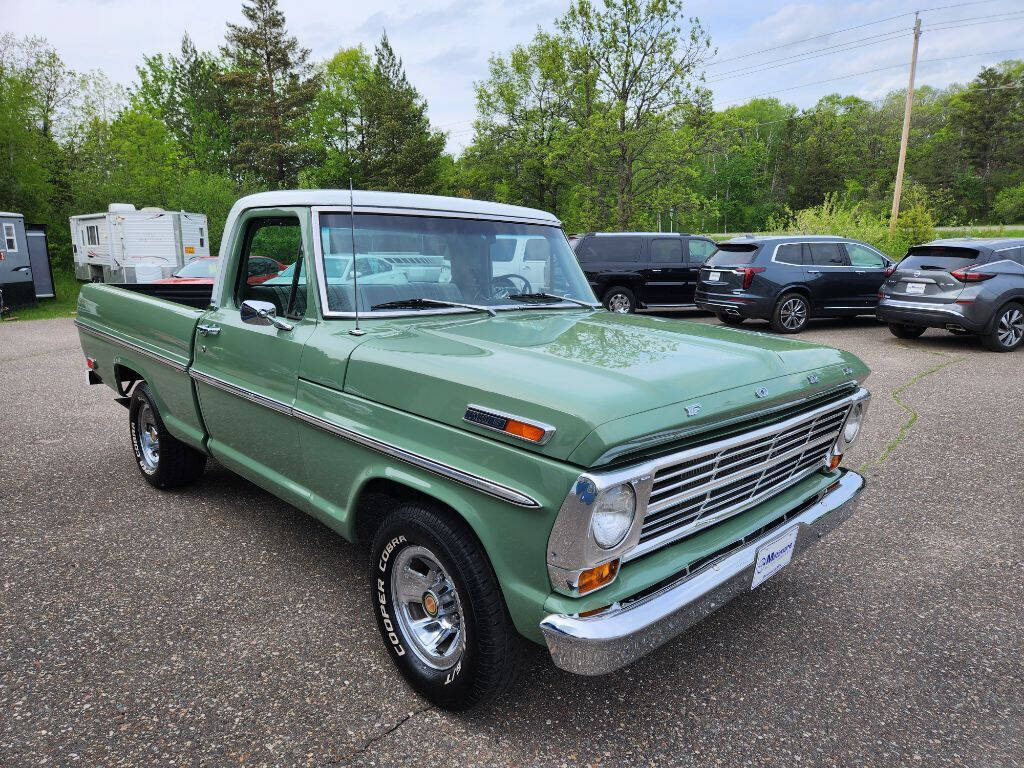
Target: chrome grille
(717, 483)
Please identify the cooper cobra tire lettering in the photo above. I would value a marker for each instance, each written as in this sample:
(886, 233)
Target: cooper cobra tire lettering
(388, 625)
(429, 538)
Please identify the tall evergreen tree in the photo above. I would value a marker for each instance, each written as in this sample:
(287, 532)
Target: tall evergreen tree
(270, 86)
(398, 150)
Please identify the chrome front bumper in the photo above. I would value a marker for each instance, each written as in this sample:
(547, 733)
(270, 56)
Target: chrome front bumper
(597, 645)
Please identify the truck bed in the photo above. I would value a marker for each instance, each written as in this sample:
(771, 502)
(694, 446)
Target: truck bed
(147, 332)
(196, 295)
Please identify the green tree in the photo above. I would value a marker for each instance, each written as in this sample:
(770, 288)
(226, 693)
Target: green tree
(397, 149)
(336, 122)
(270, 87)
(518, 154)
(184, 93)
(635, 77)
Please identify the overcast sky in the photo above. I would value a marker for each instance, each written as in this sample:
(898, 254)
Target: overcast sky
(445, 43)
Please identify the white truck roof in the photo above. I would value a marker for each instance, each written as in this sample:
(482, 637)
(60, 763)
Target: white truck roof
(399, 201)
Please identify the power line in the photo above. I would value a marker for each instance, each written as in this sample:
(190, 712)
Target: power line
(814, 37)
(807, 55)
(872, 71)
(715, 63)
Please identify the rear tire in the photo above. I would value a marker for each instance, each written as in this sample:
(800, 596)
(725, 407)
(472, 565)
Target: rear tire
(903, 331)
(725, 317)
(439, 608)
(163, 460)
(791, 313)
(1007, 330)
(620, 300)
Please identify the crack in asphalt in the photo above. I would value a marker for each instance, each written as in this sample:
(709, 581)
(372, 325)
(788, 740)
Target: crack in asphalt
(905, 428)
(377, 738)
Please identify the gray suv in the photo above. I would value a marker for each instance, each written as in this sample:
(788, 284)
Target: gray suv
(965, 285)
(787, 279)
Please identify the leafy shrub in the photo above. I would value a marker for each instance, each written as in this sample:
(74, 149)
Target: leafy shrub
(834, 217)
(1009, 205)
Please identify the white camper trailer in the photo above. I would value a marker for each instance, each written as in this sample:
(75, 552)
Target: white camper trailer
(125, 245)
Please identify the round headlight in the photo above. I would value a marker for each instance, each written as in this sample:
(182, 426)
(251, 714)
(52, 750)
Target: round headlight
(613, 515)
(852, 427)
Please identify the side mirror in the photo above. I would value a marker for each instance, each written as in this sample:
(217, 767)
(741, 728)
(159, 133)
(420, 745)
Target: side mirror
(262, 313)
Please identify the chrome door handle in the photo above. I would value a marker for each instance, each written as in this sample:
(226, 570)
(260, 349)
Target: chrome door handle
(860, 271)
(655, 270)
(208, 330)
(814, 271)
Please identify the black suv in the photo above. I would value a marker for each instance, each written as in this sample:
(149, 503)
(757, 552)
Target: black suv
(786, 280)
(642, 270)
(965, 285)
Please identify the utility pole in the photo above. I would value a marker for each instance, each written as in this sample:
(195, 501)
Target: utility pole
(898, 189)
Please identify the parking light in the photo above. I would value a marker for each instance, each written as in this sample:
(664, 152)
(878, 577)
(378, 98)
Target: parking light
(596, 577)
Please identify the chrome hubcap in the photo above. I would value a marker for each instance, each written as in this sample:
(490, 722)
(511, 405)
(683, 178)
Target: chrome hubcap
(793, 313)
(1011, 328)
(620, 303)
(428, 608)
(149, 440)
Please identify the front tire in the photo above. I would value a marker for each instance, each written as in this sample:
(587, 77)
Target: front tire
(439, 608)
(620, 300)
(791, 313)
(163, 460)
(1008, 329)
(904, 331)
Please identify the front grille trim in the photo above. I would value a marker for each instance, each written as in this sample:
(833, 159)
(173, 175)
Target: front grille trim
(686, 501)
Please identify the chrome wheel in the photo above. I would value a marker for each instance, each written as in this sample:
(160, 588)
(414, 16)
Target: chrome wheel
(1010, 329)
(619, 302)
(428, 608)
(793, 313)
(148, 438)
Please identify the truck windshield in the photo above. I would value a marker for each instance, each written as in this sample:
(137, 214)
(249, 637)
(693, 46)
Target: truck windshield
(404, 263)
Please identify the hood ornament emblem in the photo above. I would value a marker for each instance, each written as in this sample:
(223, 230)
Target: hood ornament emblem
(812, 378)
(693, 410)
(761, 392)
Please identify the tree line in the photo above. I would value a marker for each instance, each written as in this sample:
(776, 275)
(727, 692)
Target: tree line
(603, 117)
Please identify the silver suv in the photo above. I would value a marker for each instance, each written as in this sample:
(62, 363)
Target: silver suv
(965, 285)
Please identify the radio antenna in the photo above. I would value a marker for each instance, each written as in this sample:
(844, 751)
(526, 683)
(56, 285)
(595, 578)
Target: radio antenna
(357, 331)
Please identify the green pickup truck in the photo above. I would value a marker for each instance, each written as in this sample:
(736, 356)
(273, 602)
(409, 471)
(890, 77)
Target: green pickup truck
(433, 377)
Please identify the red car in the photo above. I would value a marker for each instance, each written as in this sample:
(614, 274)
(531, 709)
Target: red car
(204, 270)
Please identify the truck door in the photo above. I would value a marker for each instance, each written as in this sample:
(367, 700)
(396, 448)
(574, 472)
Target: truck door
(246, 374)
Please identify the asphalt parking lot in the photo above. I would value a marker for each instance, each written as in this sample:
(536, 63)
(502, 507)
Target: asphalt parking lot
(217, 626)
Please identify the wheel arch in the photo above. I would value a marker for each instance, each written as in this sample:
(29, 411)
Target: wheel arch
(1001, 304)
(520, 567)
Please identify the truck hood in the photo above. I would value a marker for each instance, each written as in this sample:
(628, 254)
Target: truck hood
(581, 371)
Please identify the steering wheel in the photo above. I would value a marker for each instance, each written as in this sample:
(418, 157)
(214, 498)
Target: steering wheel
(503, 286)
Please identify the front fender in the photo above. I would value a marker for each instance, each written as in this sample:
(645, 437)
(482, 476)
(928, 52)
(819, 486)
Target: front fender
(354, 442)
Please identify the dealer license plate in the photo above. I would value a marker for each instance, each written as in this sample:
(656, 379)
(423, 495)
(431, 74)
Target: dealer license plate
(714, 277)
(774, 556)
(915, 287)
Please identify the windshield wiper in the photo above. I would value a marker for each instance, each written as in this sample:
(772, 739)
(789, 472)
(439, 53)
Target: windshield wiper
(551, 299)
(429, 303)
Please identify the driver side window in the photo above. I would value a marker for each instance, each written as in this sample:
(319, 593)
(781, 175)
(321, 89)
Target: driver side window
(272, 266)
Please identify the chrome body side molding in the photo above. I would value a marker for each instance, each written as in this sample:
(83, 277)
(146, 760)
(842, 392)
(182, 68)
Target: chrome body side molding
(85, 328)
(468, 479)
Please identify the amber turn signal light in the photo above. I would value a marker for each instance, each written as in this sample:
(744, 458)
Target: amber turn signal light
(526, 431)
(836, 458)
(592, 578)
